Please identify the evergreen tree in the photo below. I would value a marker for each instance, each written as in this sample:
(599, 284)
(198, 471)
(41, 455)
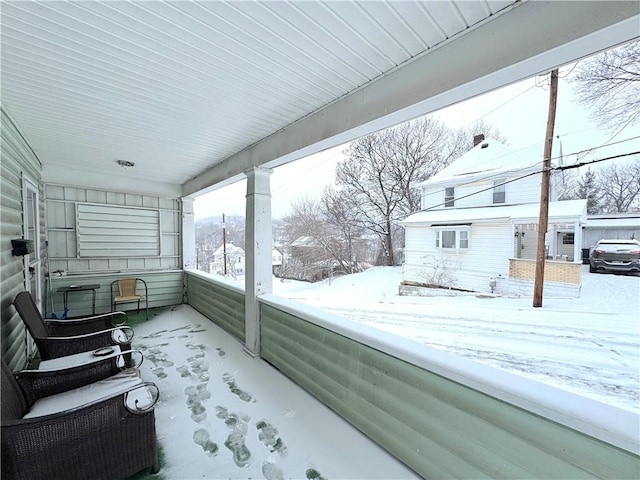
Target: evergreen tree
(588, 188)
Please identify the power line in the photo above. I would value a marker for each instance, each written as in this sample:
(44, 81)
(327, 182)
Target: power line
(498, 175)
(577, 165)
(559, 168)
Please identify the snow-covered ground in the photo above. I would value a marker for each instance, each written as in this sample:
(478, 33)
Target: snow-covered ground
(590, 345)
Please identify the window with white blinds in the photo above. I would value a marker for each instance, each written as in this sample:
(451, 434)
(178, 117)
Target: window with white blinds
(114, 231)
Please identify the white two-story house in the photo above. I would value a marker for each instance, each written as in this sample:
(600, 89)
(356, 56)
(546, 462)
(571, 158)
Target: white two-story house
(478, 227)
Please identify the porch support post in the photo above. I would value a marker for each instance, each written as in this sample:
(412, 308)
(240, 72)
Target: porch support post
(259, 246)
(188, 234)
(577, 242)
(552, 238)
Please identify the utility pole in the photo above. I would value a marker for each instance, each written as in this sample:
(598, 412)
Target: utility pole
(544, 192)
(224, 246)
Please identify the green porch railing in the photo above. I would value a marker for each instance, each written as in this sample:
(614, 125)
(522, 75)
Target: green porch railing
(442, 415)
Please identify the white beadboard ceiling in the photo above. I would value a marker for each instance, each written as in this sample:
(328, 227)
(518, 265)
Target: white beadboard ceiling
(196, 92)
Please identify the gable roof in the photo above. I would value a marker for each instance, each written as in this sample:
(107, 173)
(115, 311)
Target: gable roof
(230, 250)
(486, 160)
(567, 211)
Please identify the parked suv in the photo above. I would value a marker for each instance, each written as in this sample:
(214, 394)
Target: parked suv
(615, 256)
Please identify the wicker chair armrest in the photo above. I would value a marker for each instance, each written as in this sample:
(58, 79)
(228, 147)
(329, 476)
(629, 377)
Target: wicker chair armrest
(83, 325)
(44, 383)
(112, 441)
(114, 332)
(133, 402)
(55, 347)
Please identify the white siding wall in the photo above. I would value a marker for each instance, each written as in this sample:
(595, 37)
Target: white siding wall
(491, 246)
(525, 190)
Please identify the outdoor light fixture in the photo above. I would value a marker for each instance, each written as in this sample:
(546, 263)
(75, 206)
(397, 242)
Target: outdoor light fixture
(21, 247)
(125, 163)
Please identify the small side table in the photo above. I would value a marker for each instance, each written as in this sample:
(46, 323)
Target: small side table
(80, 288)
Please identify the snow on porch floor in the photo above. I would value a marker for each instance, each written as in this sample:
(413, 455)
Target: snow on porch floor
(222, 414)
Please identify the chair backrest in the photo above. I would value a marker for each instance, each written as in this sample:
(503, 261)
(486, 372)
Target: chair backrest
(14, 404)
(31, 316)
(127, 286)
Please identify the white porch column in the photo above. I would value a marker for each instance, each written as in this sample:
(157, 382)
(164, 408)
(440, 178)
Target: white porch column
(577, 242)
(552, 240)
(259, 246)
(188, 234)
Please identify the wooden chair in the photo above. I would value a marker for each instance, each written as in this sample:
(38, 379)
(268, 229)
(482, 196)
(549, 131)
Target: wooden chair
(128, 292)
(65, 424)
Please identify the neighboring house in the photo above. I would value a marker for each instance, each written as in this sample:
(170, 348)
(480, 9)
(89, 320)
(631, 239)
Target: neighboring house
(235, 260)
(309, 249)
(276, 261)
(611, 225)
(478, 227)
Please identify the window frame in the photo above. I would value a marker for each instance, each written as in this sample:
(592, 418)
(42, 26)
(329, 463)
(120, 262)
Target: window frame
(449, 199)
(499, 189)
(459, 232)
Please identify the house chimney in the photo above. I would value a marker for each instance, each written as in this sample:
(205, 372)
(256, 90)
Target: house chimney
(477, 139)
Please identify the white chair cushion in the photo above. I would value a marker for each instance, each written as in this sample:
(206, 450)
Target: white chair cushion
(121, 382)
(76, 359)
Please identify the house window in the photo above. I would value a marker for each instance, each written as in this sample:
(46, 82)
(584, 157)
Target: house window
(449, 197)
(499, 190)
(457, 238)
(568, 239)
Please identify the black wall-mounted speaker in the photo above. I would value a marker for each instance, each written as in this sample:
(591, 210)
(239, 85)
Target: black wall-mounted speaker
(21, 247)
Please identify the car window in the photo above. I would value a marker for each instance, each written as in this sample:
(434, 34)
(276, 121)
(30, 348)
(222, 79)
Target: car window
(616, 247)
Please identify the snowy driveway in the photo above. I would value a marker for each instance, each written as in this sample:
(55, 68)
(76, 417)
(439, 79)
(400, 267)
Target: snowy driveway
(589, 345)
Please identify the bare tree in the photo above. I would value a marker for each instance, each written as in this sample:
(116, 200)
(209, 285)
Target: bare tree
(338, 211)
(380, 169)
(316, 243)
(620, 187)
(609, 84)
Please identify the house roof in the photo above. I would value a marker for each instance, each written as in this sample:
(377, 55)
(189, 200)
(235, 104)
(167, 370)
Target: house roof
(567, 211)
(231, 249)
(305, 241)
(614, 220)
(488, 159)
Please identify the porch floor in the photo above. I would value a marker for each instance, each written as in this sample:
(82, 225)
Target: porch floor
(223, 414)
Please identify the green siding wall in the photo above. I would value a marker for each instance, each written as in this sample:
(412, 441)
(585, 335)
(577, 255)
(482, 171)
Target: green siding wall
(222, 305)
(17, 159)
(165, 289)
(94, 231)
(438, 427)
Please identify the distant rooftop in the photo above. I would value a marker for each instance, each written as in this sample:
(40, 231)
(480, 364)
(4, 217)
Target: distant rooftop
(486, 159)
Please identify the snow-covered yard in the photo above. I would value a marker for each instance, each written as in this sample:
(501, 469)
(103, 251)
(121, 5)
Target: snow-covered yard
(589, 345)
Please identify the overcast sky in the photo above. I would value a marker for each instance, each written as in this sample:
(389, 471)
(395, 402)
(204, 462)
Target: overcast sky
(518, 111)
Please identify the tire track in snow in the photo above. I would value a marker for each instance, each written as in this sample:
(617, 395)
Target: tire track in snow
(601, 364)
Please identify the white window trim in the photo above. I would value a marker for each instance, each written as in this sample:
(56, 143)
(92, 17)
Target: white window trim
(450, 200)
(499, 183)
(454, 228)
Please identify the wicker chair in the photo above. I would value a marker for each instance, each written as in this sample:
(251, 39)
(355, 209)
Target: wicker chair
(55, 425)
(127, 292)
(60, 338)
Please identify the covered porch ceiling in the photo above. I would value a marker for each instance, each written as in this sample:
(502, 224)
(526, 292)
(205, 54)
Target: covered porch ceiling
(196, 92)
